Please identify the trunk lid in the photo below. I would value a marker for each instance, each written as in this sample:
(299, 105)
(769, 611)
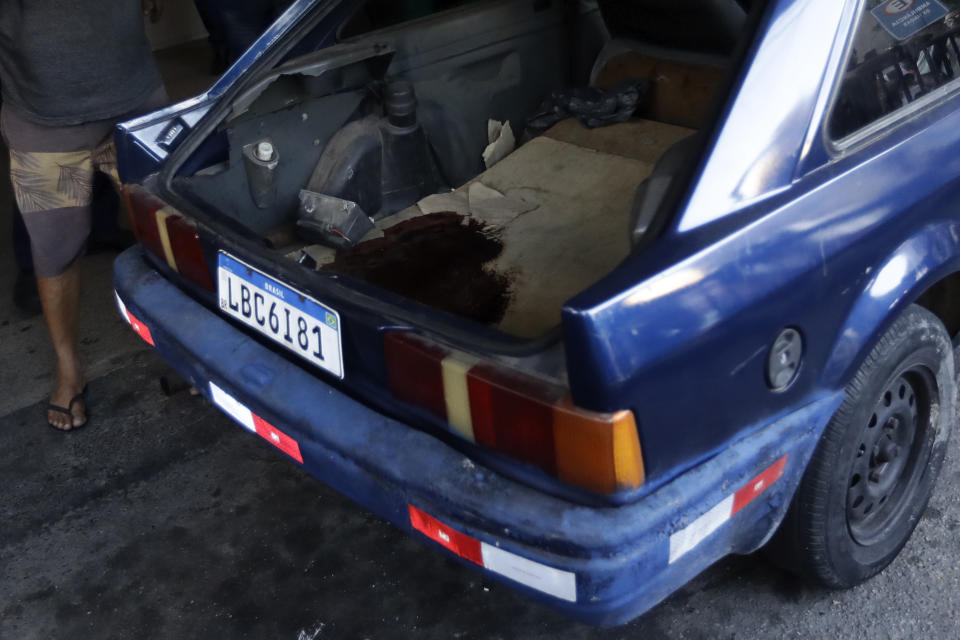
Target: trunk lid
(503, 399)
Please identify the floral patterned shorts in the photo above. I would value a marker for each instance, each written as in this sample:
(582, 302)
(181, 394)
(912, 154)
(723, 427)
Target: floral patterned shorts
(51, 170)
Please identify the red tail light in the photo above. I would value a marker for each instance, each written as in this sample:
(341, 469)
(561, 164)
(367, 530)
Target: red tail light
(142, 210)
(168, 235)
(516, 414)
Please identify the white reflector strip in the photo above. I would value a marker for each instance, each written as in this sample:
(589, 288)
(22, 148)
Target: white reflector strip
(232, 407)
(554, 582)
(252, 422)
(122, 307)
(686, 539)
(697, 531)
(561, 584)
(138, 327)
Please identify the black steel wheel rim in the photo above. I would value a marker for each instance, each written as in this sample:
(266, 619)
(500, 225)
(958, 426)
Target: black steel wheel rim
(891, 454)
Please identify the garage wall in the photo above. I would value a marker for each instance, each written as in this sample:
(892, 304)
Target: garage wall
(180, 23)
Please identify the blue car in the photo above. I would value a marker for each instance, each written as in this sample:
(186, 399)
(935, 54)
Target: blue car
(589, 294)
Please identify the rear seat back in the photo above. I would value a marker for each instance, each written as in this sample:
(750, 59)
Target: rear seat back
(683, 86)
(704, 26)
(649, 212)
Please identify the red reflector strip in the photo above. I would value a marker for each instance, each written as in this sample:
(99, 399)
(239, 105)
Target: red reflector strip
(460, 543)
(554, 582)
(252, 422)
(138, 327)
(758, 485)
(277, 438)
(689, 537)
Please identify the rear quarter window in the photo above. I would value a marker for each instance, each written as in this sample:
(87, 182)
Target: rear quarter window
(903, 53)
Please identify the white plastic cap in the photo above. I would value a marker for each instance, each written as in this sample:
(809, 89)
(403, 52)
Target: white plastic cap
(264, 151)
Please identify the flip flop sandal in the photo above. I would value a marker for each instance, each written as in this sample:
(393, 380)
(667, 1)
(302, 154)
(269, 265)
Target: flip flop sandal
(68, 410)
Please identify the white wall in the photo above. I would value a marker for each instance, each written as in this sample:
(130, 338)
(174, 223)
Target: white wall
(180, 23)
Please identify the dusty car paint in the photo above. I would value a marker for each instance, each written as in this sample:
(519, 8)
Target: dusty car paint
(780, 229)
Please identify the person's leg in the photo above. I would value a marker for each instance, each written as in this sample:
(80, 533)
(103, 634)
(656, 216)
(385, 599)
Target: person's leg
(25, 295)
(106, 233)
(52, 174)
(58, 235)
(60, 297)
(21, 242)
(57, 215)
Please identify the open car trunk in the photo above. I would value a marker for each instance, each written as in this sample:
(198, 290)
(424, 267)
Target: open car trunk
(512, 245)
(409, 210)
(332, 141)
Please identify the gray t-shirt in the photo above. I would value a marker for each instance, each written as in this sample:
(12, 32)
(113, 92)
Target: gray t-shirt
(65, 62)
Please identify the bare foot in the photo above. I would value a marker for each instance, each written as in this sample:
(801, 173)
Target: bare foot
(71, 411)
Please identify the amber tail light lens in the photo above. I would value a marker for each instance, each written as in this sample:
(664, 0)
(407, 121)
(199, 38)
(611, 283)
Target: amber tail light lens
(516, 414)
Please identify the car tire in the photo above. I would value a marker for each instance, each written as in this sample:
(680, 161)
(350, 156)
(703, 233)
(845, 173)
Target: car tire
(875, 467)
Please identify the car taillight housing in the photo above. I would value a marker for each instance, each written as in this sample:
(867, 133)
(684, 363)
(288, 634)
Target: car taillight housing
(516, 414)
(168, 235)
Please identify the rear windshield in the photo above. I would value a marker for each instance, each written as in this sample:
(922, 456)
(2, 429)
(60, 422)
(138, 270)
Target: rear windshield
(903, 50)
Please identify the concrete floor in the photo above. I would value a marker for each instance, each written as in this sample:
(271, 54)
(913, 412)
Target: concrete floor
(163, 519)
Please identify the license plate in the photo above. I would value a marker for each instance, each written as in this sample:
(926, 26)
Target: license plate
(290, 318)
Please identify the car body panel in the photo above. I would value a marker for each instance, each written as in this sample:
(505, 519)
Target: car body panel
(804, 257)
(780, 228)
(621, 556)
(757, 148)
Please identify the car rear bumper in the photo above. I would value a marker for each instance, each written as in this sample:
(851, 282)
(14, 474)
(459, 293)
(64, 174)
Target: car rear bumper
(602, 565)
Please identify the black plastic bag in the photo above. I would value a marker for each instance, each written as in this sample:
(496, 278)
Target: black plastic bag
(593, 107)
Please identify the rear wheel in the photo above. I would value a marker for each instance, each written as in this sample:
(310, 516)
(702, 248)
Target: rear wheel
(876, 465)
